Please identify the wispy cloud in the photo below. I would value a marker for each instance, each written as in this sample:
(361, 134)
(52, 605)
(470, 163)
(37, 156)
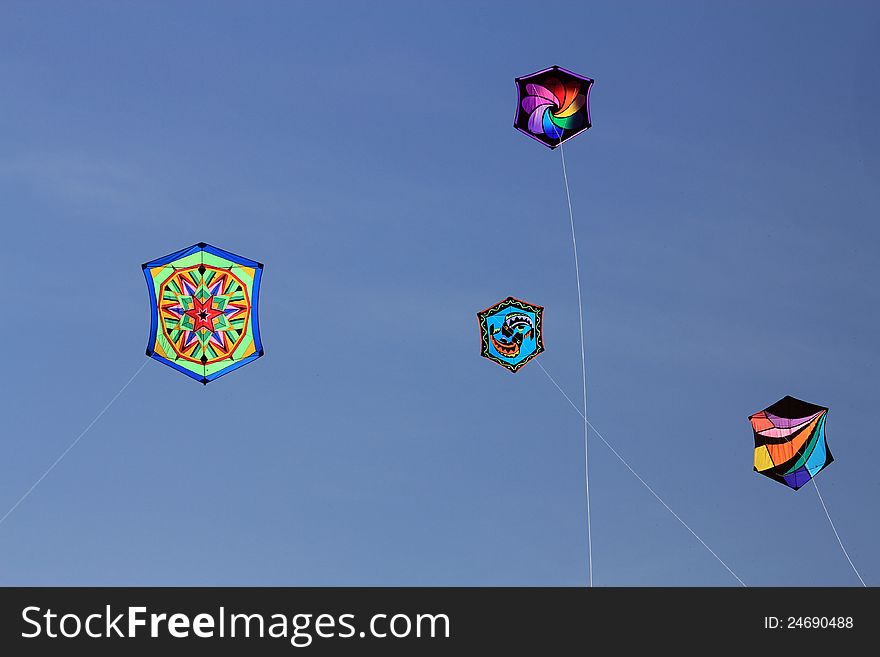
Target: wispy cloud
(81, 178)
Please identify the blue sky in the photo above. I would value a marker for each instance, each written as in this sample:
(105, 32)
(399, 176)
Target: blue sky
(726, 206)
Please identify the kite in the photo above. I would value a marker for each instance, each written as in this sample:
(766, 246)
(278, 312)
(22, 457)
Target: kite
(553, 105)
(203, 303)
(510, 332)
(790, 441)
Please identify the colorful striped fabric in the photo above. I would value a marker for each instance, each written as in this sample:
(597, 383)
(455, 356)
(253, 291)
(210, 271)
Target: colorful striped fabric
(790, 441)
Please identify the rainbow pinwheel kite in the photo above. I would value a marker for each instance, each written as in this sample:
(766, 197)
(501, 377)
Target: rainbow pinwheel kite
(203, 304)
(554, 105)
(790, 441)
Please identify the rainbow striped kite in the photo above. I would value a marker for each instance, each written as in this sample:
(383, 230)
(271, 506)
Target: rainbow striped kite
(790, 441)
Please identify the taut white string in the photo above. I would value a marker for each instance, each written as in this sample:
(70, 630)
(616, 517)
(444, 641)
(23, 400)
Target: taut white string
(583, 366)
(637, 476)
(845, 553)
(73, 444)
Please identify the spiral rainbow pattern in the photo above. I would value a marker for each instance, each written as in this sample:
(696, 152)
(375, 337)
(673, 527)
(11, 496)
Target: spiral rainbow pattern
(553, 106)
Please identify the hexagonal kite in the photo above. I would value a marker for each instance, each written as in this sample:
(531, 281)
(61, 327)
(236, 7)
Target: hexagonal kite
(790, 441)
(553, 105)
(203, 303)
(510, 332)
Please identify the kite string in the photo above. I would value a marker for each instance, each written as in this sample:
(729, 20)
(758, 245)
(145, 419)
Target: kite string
(73, 444)
(583, 365)
(831, 522)
(637, 476)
